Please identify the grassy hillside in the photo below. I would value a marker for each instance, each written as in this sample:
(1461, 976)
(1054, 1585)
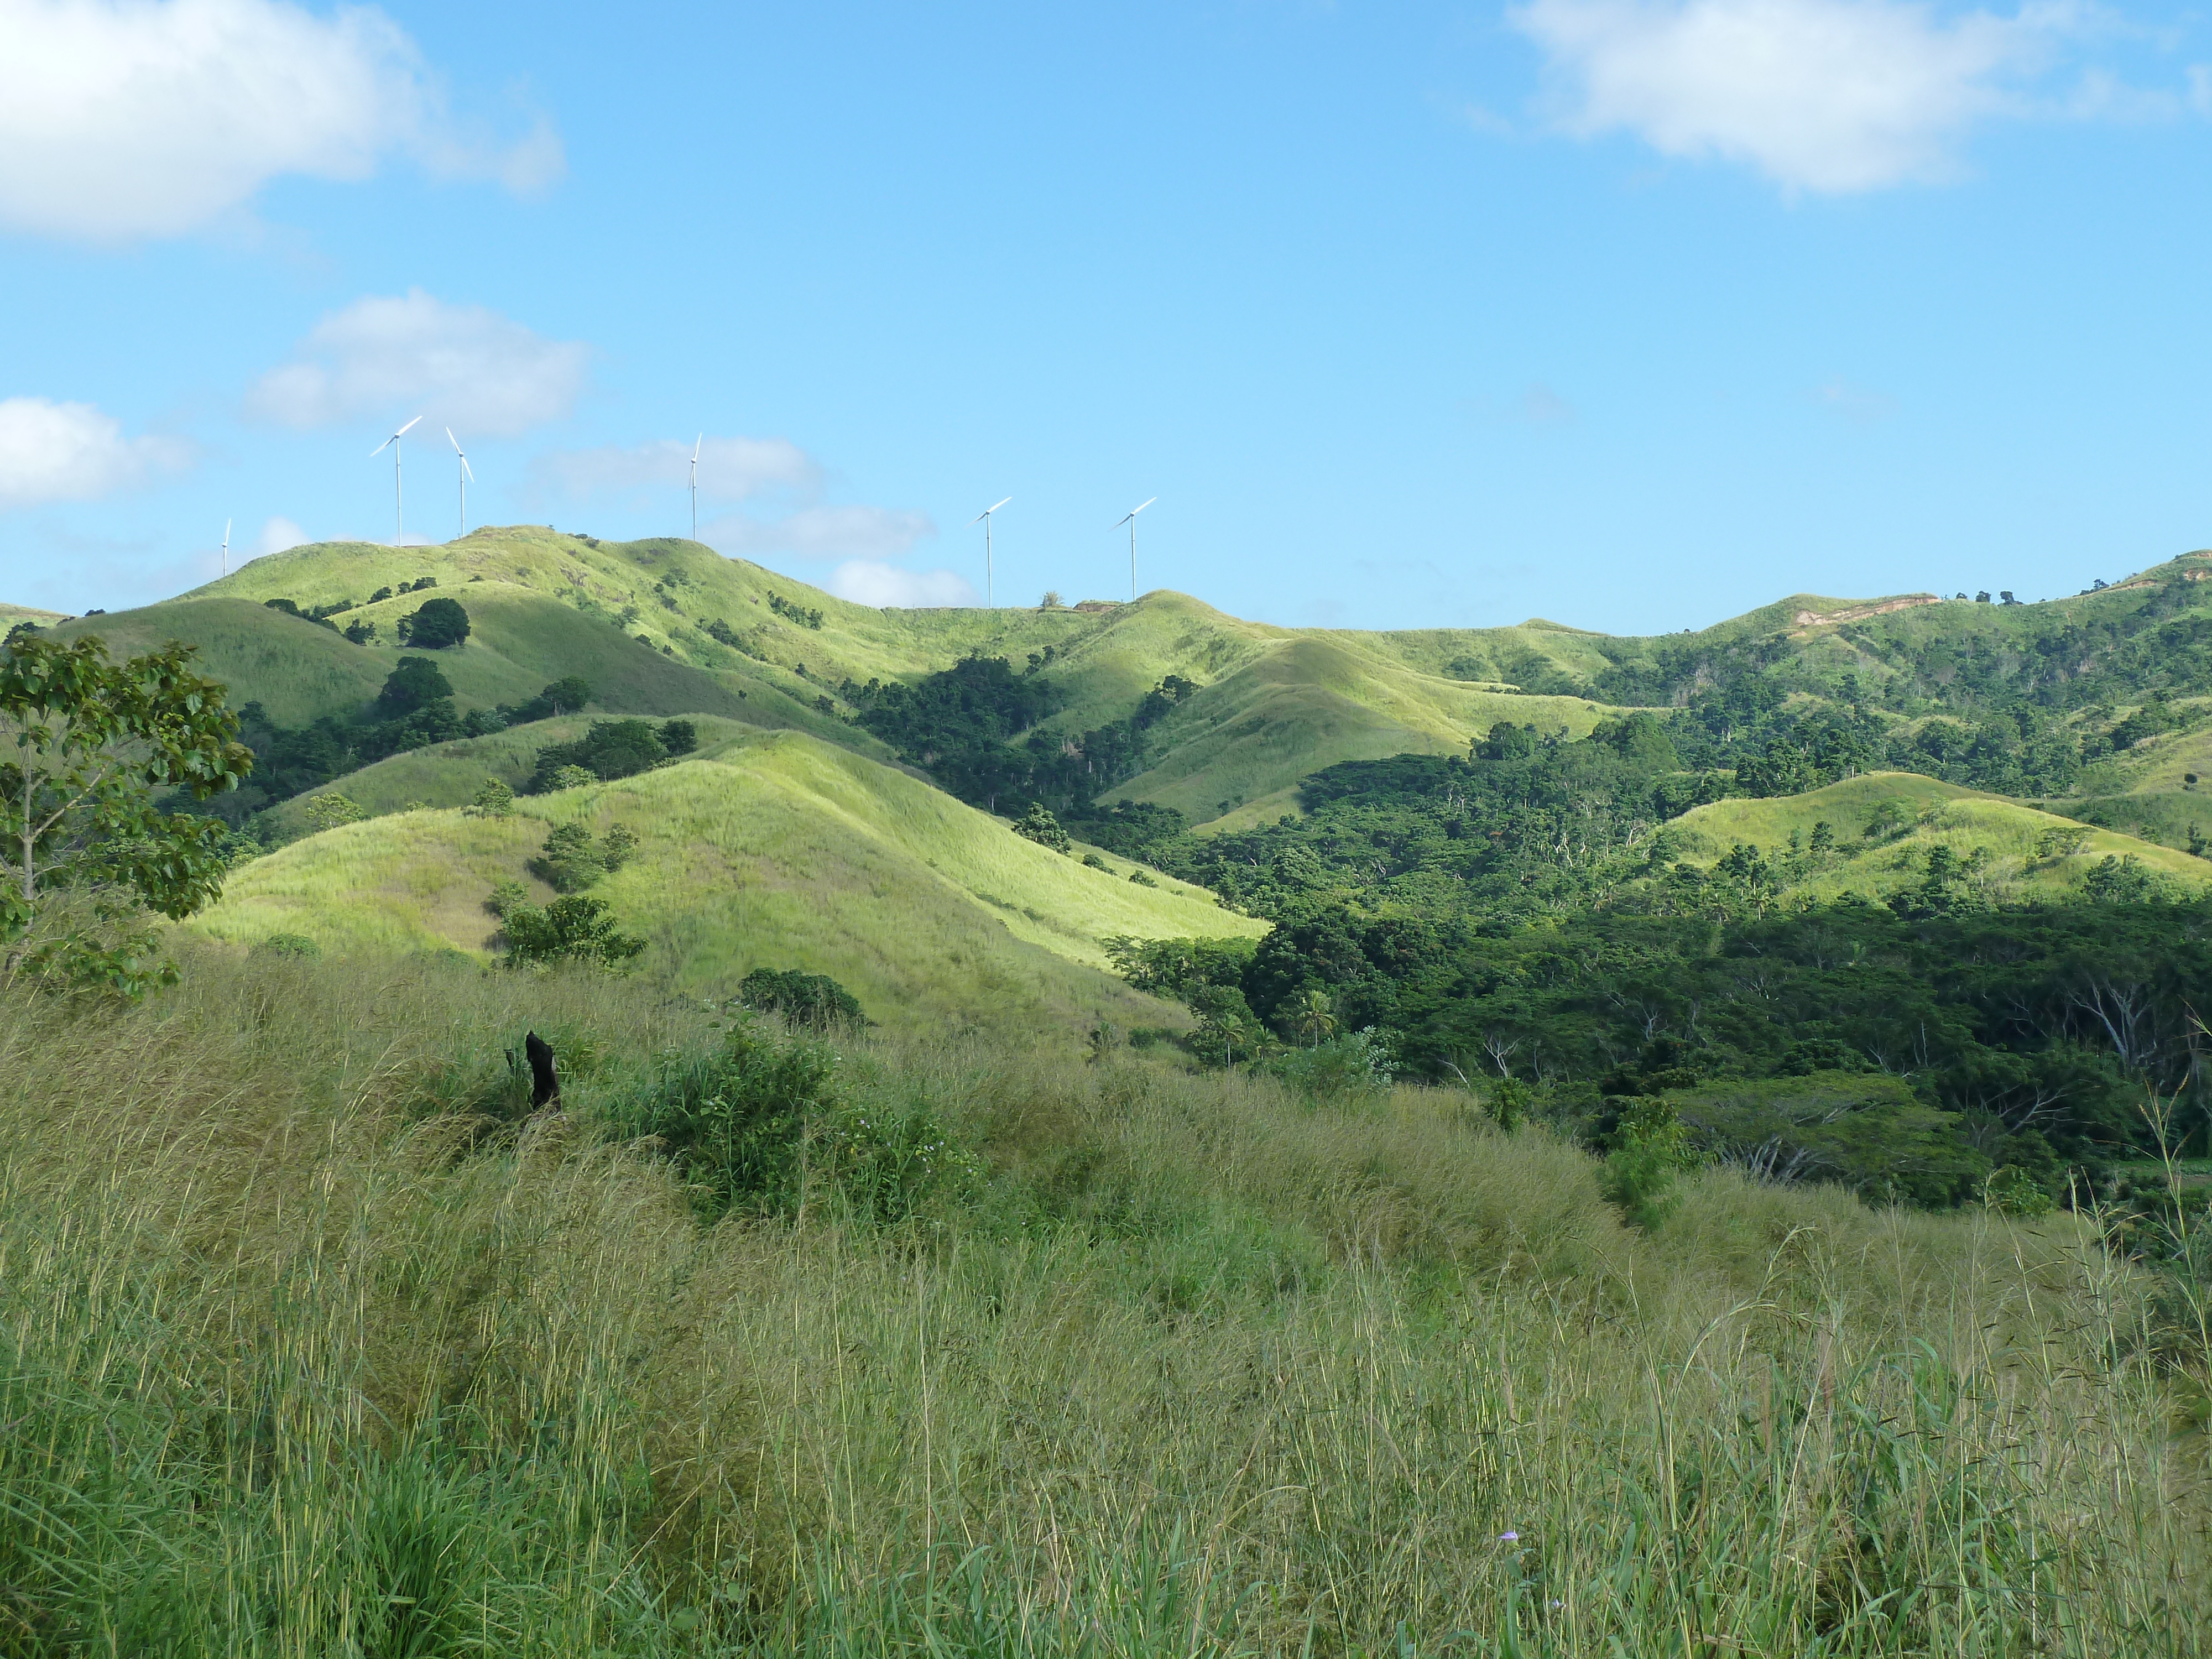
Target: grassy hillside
(779, 851)
(450, 774)
(1933, 814)
(314, 1345)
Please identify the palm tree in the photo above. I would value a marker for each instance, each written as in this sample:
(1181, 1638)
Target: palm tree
(1312, 1017)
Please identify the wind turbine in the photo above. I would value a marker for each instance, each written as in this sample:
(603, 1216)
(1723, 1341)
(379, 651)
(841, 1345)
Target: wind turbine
(984, 519)
(1130, 519)
(695, 442)
(226, 547)
(398, 530)
(466, 477)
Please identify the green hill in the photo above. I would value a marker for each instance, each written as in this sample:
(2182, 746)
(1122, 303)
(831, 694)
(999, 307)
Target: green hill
(1885, 823)
(779, 851)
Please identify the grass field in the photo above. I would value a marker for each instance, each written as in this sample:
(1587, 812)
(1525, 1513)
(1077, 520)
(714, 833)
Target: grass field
(1938, 814)
(779, 851)
(302, 1354)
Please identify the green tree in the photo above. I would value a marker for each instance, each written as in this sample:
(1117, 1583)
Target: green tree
(328, 811)
(812, 1000)
(571, 929)
(91, 740)
(1312, 1016)
(568, 693)
(1039, 825)
(413, 682)
(495, 800)
(439, 624)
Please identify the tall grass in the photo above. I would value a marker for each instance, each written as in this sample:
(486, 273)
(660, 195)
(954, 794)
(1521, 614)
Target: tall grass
(310, 1343)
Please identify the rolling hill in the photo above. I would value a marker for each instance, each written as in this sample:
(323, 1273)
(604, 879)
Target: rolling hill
(777, 850)
(1886, 823)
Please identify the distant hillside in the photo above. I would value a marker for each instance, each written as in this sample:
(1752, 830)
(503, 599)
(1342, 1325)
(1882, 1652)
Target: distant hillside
(780, 851)
(1886, 824)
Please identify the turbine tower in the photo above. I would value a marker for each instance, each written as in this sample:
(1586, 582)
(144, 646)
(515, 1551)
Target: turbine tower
(1130, 519)
(695, 442)
(399, 515)
(984, 519)
(466, 477)
(226, 547)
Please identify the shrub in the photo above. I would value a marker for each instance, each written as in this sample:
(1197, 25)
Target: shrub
(495, 800)
(679, 736)
(298, 947)
(1039, 825)
(1650, 1148)
(327, 811)
(735, 1120)
(1359, 1064)
(572, 861)
(572, 929)
(811, 999)
(440, 624)
(1092, 862)
(892, 1164)
(361, 631)
(565, 777)
(2012, 1190)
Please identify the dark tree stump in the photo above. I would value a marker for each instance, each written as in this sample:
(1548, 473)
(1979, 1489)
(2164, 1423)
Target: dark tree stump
(544, 1082)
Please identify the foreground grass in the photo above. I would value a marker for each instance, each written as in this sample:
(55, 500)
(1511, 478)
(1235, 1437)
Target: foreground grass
(300, 1354)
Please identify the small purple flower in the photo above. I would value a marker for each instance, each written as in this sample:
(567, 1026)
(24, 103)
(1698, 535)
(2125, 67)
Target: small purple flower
(1509, 1537)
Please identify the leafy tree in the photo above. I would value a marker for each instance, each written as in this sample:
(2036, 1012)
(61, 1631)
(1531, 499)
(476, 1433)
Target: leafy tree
(438, 624)
(609, 750)
(1039, 826)
(679, 736)
(361, 631)
(571, 861)
(570, 929)
(568, 695)
(564, 777)
(328, 811)
(496, 799)
(1312, 1016)
(413, 682)
(87, 741)
(810, 1000)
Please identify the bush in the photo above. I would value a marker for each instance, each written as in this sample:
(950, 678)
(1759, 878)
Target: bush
(811, 999)
(571, 861)
(573, 929)
(1650, 1148)
(495, 800)
(735, 1120)
(564, 777)
(440, 624)
(679, 736)
(1359, 1064)
(1039, 826)
(1092, 862)
(297, 946)
(327, 811)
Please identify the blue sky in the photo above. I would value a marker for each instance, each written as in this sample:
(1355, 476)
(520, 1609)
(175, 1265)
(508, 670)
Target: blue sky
(1630, 313)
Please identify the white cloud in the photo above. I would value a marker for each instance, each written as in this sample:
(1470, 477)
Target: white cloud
(129, 118)
(730, 469)
(279, 535)
(1829, 96)
(865, 582)
(824, 533)
(464, 366)
(52, 452)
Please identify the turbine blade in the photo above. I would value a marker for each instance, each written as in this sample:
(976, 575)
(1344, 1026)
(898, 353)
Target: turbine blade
(695, 442)
(465, 473)
(1148, 501)
(404, 431)
(386, 445)
(452, 439)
